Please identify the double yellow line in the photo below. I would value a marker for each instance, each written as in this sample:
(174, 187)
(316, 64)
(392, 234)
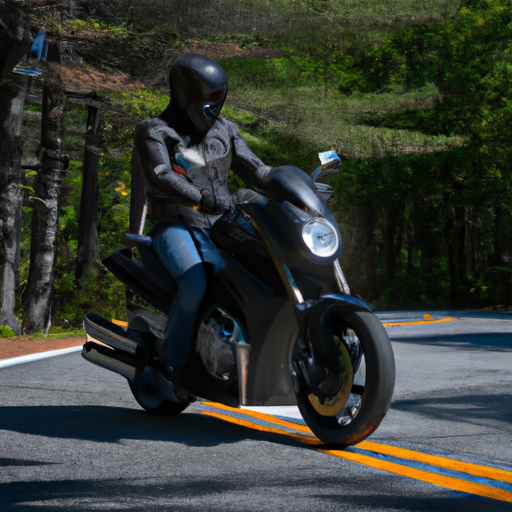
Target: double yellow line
(445, 472)
(427, 319)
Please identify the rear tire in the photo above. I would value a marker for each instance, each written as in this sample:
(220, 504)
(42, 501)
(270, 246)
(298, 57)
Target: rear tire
(371, 392)
(151, 400)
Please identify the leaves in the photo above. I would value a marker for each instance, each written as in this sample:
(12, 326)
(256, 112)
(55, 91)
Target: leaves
(27, 189)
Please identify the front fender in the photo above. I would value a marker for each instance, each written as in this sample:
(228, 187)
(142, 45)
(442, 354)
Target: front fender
(344, 302)
(314, 327)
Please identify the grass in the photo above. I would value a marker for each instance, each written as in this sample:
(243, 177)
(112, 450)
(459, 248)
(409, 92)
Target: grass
(332, 120)
(56, 333)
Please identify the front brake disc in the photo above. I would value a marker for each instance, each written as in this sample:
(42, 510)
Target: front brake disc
(331, 406)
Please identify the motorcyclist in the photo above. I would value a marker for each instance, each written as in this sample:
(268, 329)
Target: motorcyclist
(182, 160)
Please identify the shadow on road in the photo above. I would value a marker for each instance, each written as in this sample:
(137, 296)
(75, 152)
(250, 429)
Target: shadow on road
(470, 341)
(110, 424)
(264, 493)
(461, 409)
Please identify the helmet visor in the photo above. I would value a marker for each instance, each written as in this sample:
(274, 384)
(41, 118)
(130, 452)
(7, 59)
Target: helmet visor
(212, 112)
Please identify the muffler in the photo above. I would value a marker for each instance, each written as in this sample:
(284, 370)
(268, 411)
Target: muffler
(112, 347)
(113, 335)
(110, 358)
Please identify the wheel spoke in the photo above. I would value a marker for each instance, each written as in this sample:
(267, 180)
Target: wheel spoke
(349, 410)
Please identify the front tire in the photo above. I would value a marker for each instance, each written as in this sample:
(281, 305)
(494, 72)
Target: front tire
(373, 380)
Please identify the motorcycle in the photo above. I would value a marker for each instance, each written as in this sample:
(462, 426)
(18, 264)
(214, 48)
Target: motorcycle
(277, 326)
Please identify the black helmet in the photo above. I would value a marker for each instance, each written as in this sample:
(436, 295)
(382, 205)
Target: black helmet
(199, 87)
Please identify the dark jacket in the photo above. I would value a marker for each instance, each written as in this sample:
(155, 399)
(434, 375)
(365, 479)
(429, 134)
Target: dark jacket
(172, 196)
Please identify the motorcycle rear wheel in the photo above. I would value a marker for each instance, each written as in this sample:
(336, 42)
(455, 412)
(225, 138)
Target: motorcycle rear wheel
(373, 380)
(151, 401)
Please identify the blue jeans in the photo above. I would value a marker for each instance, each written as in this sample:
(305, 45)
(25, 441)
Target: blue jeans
(177, 249)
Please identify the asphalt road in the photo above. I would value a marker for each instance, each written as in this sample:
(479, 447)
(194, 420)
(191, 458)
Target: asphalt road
(73, 438)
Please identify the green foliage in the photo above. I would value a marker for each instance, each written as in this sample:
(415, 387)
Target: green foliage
(270, 143)
(239, 116)
(114, 202)
(416, 98)
(129, 108)
(94, 25)
(6, 332)
(33, 107)
(100, 290)
(27, 189)
(406, 201)
(337, 72)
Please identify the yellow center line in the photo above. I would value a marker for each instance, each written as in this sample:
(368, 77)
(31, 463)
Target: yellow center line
(449, 482)
(250, 424)
(386, 449)
(419, 322)
(425, 476)
(436, 460)
(427, 320)
(262, 416)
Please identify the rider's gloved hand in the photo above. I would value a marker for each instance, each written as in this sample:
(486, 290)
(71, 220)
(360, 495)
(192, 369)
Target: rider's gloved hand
(208, 201)
(215, 204)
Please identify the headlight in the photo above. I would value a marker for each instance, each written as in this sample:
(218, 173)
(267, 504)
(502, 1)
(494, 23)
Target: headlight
(321, 237)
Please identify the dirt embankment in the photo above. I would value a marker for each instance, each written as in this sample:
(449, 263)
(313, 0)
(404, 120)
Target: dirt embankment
(218, 51)
(23, 345)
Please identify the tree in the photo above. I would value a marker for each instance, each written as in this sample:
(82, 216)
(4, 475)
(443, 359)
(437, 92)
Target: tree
(15, 40)
(12, 99)
(39, 292)
(15, 37)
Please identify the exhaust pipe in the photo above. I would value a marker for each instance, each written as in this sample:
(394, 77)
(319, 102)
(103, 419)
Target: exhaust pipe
(112, 335)
(114, 360)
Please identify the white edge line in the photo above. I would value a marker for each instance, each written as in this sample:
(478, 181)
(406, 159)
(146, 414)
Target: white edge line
(30, 358)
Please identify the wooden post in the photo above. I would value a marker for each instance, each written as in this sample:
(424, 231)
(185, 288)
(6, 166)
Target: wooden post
(88, 242)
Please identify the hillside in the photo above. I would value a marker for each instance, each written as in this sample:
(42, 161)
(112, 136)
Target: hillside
(413, 96)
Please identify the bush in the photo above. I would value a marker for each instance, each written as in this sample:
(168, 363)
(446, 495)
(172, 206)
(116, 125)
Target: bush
(6, 332)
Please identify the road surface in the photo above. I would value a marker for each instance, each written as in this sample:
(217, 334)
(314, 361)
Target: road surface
(73, 438)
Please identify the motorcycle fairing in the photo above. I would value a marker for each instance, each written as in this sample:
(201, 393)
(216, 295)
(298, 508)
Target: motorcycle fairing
(265, 319)
(157, 292)
(237, 236)
(313, 280)
(268, 317)
(310, 317)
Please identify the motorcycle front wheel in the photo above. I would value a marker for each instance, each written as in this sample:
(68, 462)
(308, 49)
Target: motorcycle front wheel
(367, 384)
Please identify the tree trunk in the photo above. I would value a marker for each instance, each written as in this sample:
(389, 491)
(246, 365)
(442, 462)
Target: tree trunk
(88, 242)
(460, 225)
(393, 242)
(12, 99)
(497, 249)
(15, 38)
(39, 292)
(450, 234)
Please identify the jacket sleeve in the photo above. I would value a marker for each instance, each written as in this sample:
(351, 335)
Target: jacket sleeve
(153, 147)
(246, 164)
